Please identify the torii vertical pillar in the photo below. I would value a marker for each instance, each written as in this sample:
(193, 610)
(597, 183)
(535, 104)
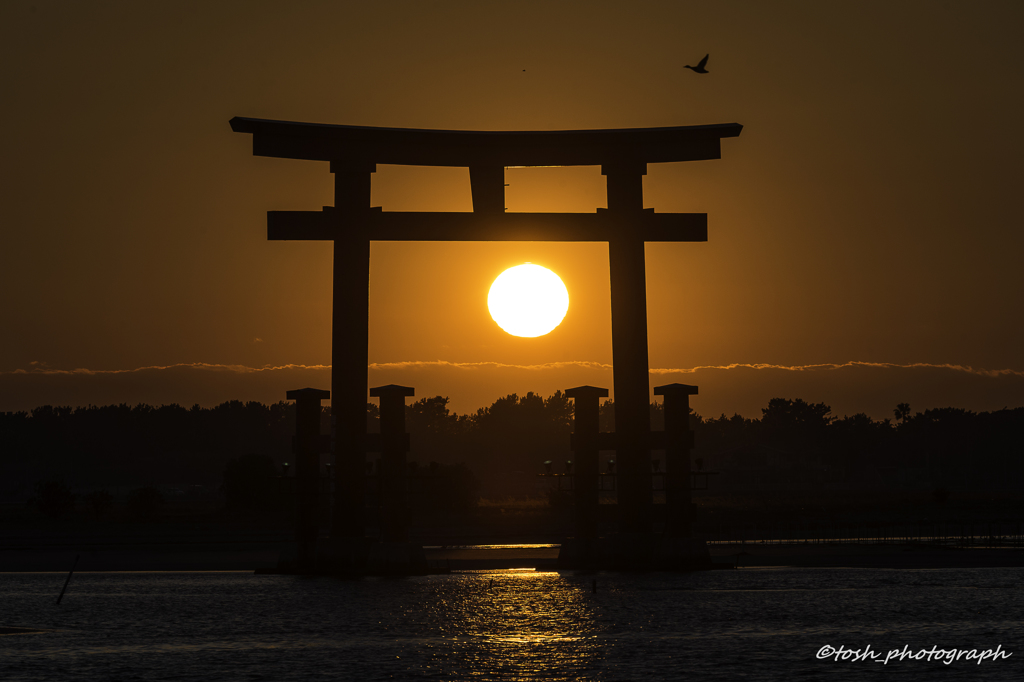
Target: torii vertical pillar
(626, 261)
(350, 346)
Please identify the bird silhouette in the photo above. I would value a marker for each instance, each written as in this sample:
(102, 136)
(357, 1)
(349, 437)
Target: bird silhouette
(700, 65)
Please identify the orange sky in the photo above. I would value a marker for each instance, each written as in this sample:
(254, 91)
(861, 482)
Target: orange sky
(868, 213)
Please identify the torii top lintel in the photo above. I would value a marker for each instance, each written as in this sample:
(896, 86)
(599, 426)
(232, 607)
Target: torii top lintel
(415, 147)
(355, 151)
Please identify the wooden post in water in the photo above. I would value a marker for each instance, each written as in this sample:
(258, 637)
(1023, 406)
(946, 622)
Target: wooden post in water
(585, 448)
(394, 444)
(308, 445)
(70, 573)
(678, 442)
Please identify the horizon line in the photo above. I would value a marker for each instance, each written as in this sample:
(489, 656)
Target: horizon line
(43, 369)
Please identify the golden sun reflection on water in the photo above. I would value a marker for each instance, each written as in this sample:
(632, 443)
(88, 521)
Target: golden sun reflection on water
(528, 624)
(717, 626)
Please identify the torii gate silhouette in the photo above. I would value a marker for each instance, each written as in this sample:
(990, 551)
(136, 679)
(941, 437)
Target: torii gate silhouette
(355, 151)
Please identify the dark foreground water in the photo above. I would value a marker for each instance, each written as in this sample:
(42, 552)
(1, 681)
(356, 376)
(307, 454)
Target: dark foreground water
(750, 624)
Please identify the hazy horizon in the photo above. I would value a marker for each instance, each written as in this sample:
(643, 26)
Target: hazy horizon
(850, 388)
(863, 231)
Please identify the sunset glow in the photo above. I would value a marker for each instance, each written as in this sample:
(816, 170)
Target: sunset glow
(528, 300)
(253, 407)
(784, 280)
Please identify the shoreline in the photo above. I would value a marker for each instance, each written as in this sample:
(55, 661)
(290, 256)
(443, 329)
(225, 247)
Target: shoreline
(256, 555)
(889, 556)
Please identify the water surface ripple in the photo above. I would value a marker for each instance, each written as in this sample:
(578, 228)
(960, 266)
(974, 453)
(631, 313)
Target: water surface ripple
(750, 624)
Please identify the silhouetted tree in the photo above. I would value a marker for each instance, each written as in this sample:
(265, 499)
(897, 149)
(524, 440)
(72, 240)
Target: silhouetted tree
(606, 416)
(372, 418)
(454, 487)
(250, 482)
(432, 416)
(126, 445)
(54, 498)
(99, 501)
(145, 503)
(518, 434)
(852, 438)
(795, 424)
(724, 433)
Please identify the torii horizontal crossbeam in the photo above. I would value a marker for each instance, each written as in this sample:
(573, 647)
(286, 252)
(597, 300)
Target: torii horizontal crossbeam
(535, 227)
(468, 148)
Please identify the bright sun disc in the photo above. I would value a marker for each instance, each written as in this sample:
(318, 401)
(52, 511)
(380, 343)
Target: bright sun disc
(528, 300)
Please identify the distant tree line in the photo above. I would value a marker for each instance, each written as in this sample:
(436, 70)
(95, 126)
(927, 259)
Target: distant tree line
(126, 446)
(945, 448)
(504, 444)
(951, 447)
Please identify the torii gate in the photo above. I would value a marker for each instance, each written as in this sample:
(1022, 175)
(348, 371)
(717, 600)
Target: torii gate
(355, 151)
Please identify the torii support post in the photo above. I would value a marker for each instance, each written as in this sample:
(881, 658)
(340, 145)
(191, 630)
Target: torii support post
(678, 443)
(585, 446)
(308, 445)
(394, 443)
(627, 270)
(350, 344)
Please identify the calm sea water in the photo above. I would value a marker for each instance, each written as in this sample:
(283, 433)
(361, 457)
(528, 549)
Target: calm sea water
(749, 624)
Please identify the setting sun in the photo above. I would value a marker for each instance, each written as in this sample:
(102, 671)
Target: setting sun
(528, 300)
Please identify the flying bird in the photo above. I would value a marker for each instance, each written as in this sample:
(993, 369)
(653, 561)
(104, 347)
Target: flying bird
(700, 65)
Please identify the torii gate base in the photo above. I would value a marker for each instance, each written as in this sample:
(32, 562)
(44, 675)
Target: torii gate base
(636, 552)
(394, 554)
(348, 556)
(673, 549)
(311, 554)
